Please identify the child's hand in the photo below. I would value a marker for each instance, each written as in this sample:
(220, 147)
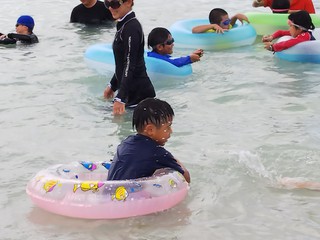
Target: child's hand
(268, 46)
(194, 57)
(199, 52)
(2, 36)
(267, 38)
(218, 28)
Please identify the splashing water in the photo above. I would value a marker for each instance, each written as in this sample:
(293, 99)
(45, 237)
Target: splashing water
(253, 163)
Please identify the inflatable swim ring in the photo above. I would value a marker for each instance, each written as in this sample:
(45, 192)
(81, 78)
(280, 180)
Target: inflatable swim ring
(80, 190)
(239, 35)
(308, 51)
(268, 23)
(100, 57)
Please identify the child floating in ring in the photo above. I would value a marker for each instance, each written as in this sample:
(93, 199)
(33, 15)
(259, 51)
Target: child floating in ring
(142, 154)
(300, 26)
(219, 21)
(161, 42)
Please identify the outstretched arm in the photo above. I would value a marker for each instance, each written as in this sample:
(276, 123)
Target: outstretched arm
(293, 183)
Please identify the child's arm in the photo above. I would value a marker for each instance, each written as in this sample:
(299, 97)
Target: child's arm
(267, 40)
(291, 42)
(277, 34)
(20, 37)
(298, 183)
(206, 27)
(241, 17)
(279, 46)
(186, 172)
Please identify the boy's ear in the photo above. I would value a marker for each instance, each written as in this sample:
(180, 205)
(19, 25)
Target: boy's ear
(149, 129)
(159, 47)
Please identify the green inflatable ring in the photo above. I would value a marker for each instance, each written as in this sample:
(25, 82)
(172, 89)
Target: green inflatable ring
(268, 23)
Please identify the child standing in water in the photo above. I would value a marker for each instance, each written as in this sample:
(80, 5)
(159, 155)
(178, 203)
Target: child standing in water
(161, 42)
(142, 154)
(219, 21)
(300, 24)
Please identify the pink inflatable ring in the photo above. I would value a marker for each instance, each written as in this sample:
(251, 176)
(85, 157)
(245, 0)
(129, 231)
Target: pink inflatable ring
(80, 190)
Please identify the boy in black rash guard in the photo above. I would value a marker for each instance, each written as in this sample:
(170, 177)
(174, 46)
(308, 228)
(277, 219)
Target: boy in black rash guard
(91, 12)
(142, 154)
(24, 32)
(130, 78)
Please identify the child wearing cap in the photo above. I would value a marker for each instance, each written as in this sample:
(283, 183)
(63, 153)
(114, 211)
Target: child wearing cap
(161, 42)
(219, 21)
(300, 24)
(24, 32)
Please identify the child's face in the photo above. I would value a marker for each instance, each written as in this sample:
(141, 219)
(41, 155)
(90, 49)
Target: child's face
(162, 134)
(21, 29)
(225, 22)
(294, 32)
(166, 47)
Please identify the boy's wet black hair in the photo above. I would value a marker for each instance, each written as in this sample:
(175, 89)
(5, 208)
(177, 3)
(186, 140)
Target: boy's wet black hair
(216, 14)
(151, 110)
(157, 36)
(280, 6)
(303, 19)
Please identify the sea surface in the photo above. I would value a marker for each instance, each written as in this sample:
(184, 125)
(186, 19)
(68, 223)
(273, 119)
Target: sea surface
(243, 120)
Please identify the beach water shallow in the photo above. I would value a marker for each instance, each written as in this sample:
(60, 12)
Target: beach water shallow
(242, 120)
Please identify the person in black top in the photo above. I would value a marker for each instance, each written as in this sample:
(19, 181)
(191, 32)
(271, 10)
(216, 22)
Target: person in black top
(24, 32)
(130, 78)
(91, 12)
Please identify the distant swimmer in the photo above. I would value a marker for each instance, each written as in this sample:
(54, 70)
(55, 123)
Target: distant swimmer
(24, 32)
(91, 12)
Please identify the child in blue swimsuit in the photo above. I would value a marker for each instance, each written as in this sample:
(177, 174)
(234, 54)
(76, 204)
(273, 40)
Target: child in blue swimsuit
(142, 154)
(161, 42)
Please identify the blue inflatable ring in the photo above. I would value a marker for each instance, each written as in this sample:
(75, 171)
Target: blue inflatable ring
(100, 57)
(239, 35)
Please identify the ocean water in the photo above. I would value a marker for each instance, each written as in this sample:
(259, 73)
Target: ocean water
(243, 120)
